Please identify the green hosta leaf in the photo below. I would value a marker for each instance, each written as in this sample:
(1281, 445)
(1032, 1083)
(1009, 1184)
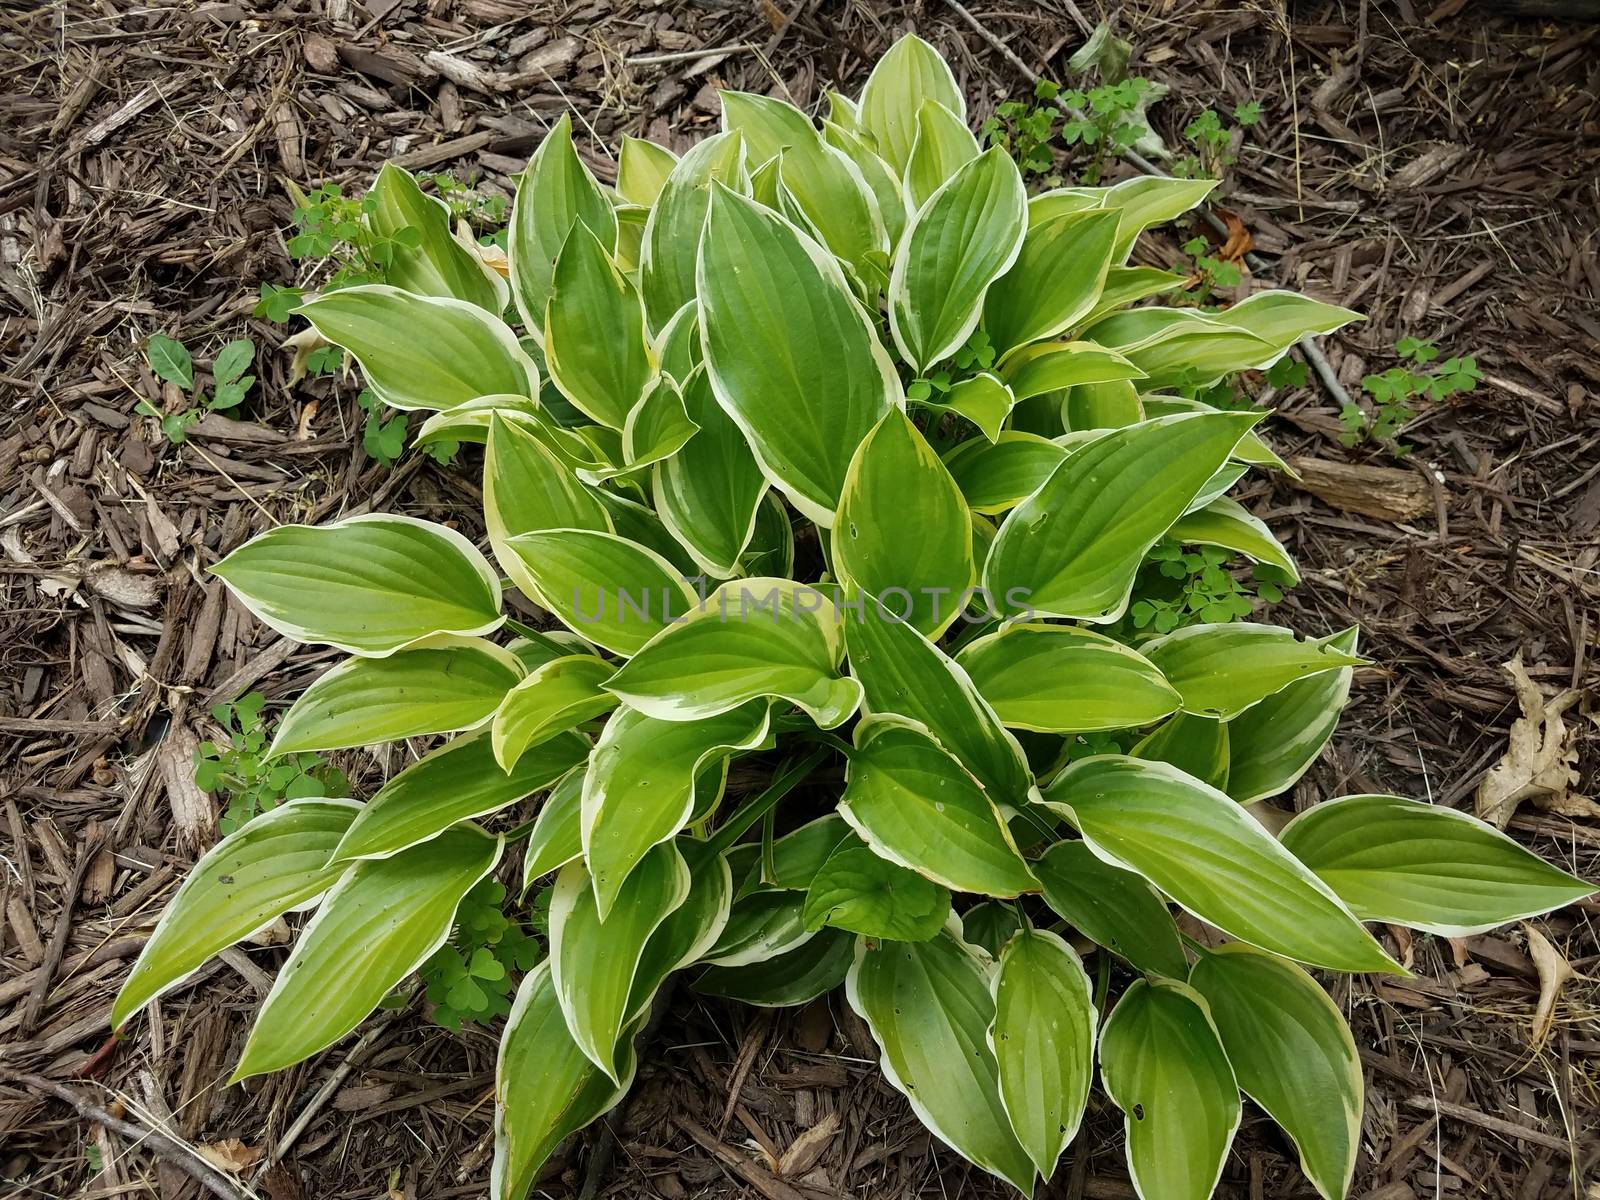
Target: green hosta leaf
(557, 836)
(678, 344)
(942, 147)
(1043, 1041)
(1221, 670)
(922, 553)
(984, 399)
(368, 585)
(671, 238)
(1150, 200)
(828, 188)
(1228, 524)
(545, 1086)
(1209, 855)
(642, 170)
(990, 924)
(594, 957)
(929, 1008)
(1052, 366)
(454, 783)
(556, 192)
(917, 806)
(1219, 483)
(692, 928)
(1055, 281)
(709, 493)
(470, 422)
(750, 638)
(999, 476)
(1292, 1053)
(1197, 746)
(640, 789)
(1272, 744)
(880, 179)
(1426, 866)
(1163, 1065)
(1112, 907)
(557, 696)
(595, 343)
(798, 976)
(965, 237)
(903, 673)
(1128, 285)
(423, 351)
(1283, 318)
(439, 264)
(1251, 449)
(1180, 347)
(1072, 548)
(639, 524)
(527, 488)
(761, 927)
(442, 687)
(1111, 405)
(605, 588)
(1060, 679)
(658, 427)
(275, 863)
(793, 358)
(858, 890)
(797, 856)
(910, 73)
(380, 922)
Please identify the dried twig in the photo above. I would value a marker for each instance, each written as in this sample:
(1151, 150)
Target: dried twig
(167, 1147)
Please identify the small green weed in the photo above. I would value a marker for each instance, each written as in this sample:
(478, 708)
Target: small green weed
(238, 766)
(1191, 586)
(470, 977)
(1210, 137)
(1393, 392)
(170, 360)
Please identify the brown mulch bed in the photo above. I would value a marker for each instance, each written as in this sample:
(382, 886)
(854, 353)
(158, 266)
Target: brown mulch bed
(1438, 170)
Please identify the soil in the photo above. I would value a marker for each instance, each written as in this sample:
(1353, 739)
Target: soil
(1437, 169)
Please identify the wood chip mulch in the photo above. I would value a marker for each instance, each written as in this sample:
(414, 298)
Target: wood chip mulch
(1438, 169)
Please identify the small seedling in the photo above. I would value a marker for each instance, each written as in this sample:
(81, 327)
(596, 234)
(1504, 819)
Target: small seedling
(1210, 272)
(1210, 136)
(238, 765)
(171, 361)
(1394, 391)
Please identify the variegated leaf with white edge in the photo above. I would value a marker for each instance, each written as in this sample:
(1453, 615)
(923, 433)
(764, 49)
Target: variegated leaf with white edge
(1163, 1065)
(554, 193)
(966, 236)
(1205, 852)
(423, 352)
(929, 1008)
(368, 585)
(273, 864)
(640, 787)
(377, 925)
(444, 685)
(1042, 1038)
(750, 638)
(555, 697)
(792, 357)
(594, 957)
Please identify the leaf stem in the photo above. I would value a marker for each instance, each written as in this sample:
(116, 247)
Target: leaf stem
(741, 821)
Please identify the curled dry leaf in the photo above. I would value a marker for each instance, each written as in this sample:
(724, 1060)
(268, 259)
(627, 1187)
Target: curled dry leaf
(230, 1155)
(1541, 757)
(1554, 971)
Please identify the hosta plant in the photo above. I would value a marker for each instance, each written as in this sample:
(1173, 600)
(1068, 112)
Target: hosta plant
(825, 450)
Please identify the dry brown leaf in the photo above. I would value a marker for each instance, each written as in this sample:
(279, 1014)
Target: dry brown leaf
(1541, 756)
(230, 1154)
(1554, 971)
